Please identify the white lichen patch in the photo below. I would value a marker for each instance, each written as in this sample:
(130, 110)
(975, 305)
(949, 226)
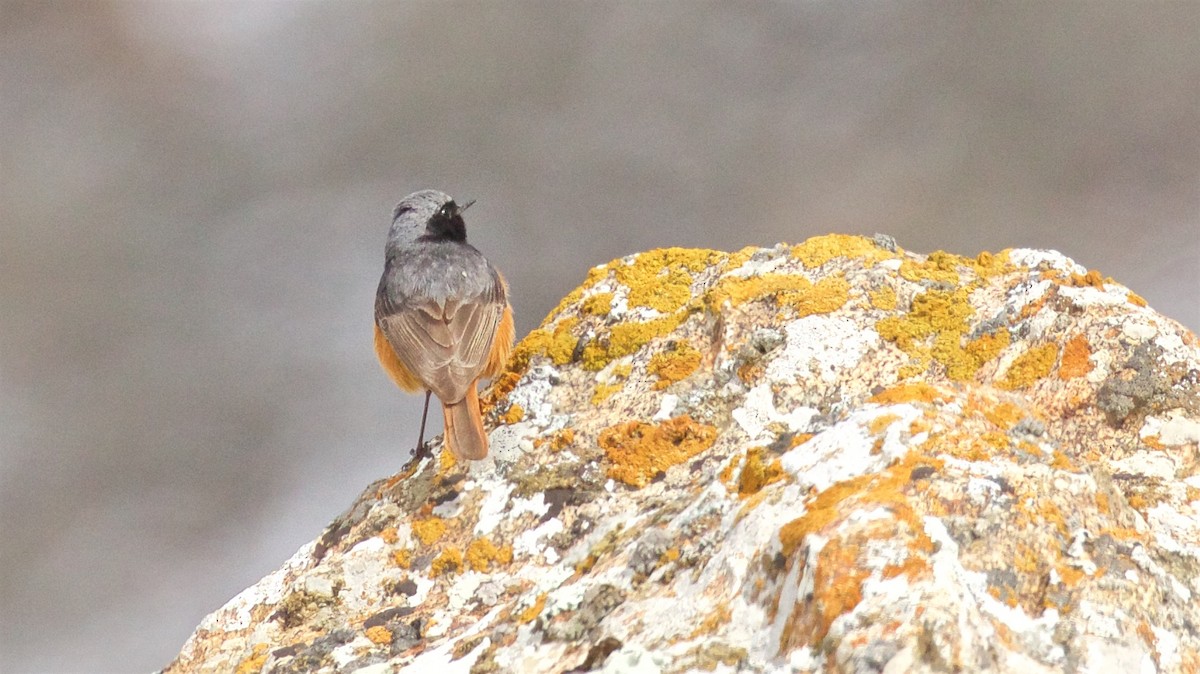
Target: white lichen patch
(848, 449)
(1032, 258)
(828, 346)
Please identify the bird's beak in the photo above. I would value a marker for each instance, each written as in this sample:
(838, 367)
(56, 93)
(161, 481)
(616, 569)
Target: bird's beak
(465, 206)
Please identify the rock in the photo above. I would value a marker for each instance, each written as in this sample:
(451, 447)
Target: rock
(836, 457)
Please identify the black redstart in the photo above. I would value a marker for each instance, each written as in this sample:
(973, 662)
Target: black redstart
(442, 318)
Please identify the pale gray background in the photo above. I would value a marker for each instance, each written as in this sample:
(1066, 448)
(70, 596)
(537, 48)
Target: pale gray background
(195, 197)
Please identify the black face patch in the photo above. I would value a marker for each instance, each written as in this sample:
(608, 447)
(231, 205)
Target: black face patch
(447, 223)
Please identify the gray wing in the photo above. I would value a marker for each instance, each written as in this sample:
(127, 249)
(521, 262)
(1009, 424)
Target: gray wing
(447, 344)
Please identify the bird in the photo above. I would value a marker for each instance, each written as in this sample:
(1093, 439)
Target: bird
(442, 316)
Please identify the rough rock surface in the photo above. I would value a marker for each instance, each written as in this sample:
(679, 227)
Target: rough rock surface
(831, 457)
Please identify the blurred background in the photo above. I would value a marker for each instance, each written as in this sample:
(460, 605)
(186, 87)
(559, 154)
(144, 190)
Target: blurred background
(195, 197)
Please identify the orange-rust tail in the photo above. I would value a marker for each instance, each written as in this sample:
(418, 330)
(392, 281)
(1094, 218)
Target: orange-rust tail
(464, 427)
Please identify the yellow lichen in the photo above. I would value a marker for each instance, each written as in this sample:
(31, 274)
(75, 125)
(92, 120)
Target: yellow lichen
(713, 621)
(1030, 366)
(738, 290)
(402, 558)
(821, 249)
(603, 392)
(627, 338)
(557, 344)
(756, 473)
(939, 267)
(449, 561)
(389, 535)
(932, 312)
(530, 614)
(254, 663)
(639, 451)
(594, 275)
(826, 295)
(661, 279)
(379, 635)
(430, 530)
(675, 364)
(514, 414)
(1135, 299)
(884, 298)
(988, 264)
(942, 316)
(881, 422)
(913, 392)
(1076, 358)
(446, 462)
(482, 552)
(598, 305)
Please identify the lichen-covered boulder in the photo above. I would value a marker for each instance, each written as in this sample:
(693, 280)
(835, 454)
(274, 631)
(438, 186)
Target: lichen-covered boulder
(831, 457)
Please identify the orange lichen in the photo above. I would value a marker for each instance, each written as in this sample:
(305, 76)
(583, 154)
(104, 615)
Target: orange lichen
(1076, 358)
(1030, 366)
(838, 572)
(884, 488)
(1061, 461)
(674, 364)
(884, 298)
(530, 614)
(838, 576)
(1091, 279)
(750, 371)
(717, 617)
(402, 558)
(1135, 299)
(430, 530)
(912, 567)
(881, 422)
(514, 414)
(756, 473)
(561, 439)
(638, 451)
(389, 535)
(379, 635)
(254, 664)
(501, 387)
(988, 346)
(912, 392)
(821, 249)
(1002, 414)
(481, 553)
(449, 561)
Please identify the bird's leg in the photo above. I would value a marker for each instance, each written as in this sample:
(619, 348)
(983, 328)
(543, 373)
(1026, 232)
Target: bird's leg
(421, 439)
